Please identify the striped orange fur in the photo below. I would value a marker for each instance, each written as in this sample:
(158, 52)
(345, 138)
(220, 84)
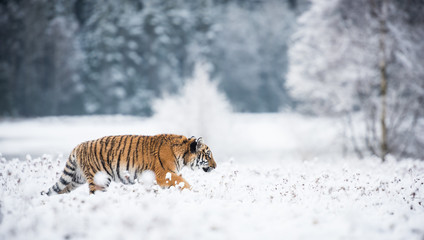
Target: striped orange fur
(124, 158)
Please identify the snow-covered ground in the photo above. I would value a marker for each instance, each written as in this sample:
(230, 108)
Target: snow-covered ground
(279, 176)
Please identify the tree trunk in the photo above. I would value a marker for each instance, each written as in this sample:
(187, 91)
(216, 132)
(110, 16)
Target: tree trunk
(383, 88)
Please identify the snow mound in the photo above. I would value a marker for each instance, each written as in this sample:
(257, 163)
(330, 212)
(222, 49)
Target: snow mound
(101, 179)
(316, 199)
(147, 178)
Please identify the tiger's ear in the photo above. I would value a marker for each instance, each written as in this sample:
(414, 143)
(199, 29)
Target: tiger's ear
(193, 145)
(199, 142)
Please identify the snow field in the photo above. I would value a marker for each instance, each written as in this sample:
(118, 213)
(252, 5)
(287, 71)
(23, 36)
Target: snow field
(279, 176)
(316, 199)
(247, 137)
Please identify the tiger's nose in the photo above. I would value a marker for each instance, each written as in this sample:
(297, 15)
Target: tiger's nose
(208, 169)
(213, 165)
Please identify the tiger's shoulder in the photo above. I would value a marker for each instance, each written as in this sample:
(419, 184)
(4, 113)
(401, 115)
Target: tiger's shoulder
(172, 138)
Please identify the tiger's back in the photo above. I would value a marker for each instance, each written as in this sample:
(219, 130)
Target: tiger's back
(124, 158)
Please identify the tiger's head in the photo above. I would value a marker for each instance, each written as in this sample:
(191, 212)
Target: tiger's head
(200, 155)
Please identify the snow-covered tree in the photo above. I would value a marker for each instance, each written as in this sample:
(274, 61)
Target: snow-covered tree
(364, 56)
(111, 56)
(38, 58)
(136, 50)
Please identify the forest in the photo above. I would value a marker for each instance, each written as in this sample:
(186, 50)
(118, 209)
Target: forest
(114, 57)
(360, 61)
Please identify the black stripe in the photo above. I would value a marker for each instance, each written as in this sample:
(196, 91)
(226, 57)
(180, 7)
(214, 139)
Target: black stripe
(145, 150)
(103, 162)
(95, 149)
(116, 152)
(97, 158)
(70, 168)
(63, 181)
(135, 156)
(157, 144)
(92, 184)
(91, 151)
(108, 159)
(56, 188)
(108, 182)
(88, 174)
(128, 155)
(184, 155)
(111, 154)
(103, 144)
(84, 158)
(99, 155)
(68, 173)
(72, 162)
(160, 161)
(142, 152)
(119, 159)
(173, 154)
(94, 156)
(90, 162)
(79, 154)
(135, 175)
(153, 147)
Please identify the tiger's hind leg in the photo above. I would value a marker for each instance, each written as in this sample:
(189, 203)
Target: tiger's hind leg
(77, 181)
(70, 187)
(98, 183)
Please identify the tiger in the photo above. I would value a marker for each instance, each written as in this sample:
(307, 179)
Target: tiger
(123, 158)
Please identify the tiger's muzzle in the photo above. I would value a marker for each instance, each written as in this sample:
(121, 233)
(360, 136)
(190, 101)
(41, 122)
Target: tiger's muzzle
(208, 169)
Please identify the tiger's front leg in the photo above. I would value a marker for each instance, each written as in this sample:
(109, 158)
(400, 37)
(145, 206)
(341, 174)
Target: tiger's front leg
(171, 179)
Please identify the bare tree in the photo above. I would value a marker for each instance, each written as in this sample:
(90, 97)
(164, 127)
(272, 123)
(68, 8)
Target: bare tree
(363, 58)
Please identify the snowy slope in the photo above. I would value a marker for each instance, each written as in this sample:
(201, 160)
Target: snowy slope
(278, 177)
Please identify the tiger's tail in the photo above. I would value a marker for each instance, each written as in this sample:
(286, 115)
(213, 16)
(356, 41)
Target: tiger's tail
(69, 180)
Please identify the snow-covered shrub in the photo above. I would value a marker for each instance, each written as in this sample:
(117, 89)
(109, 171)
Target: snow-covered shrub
(101, 179)
(199, 109)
